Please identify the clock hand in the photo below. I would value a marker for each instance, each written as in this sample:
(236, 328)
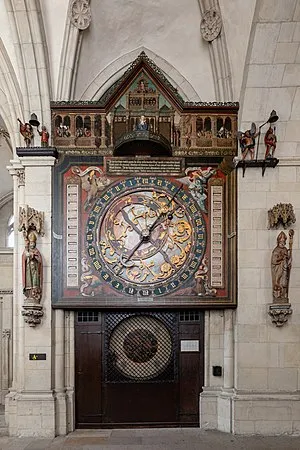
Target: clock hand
(164, 214)
(145, 234)
(134, 227)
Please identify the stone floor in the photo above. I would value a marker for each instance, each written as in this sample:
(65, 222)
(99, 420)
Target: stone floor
(156, 439)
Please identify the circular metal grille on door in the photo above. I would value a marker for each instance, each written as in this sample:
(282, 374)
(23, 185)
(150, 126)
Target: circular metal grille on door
(140, 347)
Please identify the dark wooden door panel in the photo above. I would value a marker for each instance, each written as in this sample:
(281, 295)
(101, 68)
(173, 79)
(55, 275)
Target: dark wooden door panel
(141, 403)
(88, 373)
(106, 396)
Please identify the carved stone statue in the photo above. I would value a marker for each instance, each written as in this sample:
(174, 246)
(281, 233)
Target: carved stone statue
(281, 263)
(32, 269)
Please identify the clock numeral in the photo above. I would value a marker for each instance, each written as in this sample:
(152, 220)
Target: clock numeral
(89, 237)
(199, 222)
(106, 197)
(159, 291)
(193, 209)
(193, 264)
(97, 265)
(91, 222)
(105, 276)
(97, 209)
(130, 291)
(145, 293)
(92, 251)
(117, 285)
(185, 276)
(145, 180)
(184, 197)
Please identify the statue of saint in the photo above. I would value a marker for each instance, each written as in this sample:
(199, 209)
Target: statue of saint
(142, 125)
(281, 263)
(32, 269)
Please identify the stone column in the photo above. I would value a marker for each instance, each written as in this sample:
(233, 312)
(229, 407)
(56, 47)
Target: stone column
(228, 349)
(103, 131)
(31, 410)
(60, 392)
(6, 334)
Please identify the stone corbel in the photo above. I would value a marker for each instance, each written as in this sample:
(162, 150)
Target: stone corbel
(279, 313)
(31, 224)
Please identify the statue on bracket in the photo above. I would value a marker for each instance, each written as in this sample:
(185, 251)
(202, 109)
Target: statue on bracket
(281, 263)
(32, 269)
(31, 223)
(26, 131)
(247, 141)
(270, 142)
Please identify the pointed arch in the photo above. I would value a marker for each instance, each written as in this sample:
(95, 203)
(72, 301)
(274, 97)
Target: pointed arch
(32, 55)
(116, 68)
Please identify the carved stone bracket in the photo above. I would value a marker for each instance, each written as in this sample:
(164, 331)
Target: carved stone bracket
(21, 177)
(280, 313)
(32, 313)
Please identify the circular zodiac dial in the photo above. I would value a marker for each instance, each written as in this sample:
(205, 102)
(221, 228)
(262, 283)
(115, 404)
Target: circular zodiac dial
(146, 236)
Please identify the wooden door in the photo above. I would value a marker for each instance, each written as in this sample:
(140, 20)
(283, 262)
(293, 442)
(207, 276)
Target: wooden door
(141, 369)
(88, 368)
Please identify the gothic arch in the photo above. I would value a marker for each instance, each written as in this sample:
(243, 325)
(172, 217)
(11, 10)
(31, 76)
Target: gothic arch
(116, 68)
(33, 64)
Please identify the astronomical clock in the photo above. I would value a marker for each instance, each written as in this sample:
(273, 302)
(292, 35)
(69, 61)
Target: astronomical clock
(144, 198)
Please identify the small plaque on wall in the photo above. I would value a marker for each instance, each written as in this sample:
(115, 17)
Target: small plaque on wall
(189, 346)
(37, 356)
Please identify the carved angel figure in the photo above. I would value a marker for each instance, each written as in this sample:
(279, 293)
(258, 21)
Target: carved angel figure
(93, 181)
(247, 141)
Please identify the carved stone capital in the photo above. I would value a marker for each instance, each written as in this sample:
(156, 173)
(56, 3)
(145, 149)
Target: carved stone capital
(280, 313)
(32, 314)
(80, 14)
(21, 177)
(6, 333)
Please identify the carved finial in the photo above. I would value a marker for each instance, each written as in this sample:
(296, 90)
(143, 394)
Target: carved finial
(281, 214)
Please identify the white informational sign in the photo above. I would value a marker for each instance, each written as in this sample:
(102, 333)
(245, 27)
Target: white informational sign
(189, 346)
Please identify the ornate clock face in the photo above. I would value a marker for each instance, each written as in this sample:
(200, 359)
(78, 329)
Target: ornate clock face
(146, 236)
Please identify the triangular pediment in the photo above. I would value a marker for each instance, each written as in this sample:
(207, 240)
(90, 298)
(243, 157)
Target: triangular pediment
(142, 77)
